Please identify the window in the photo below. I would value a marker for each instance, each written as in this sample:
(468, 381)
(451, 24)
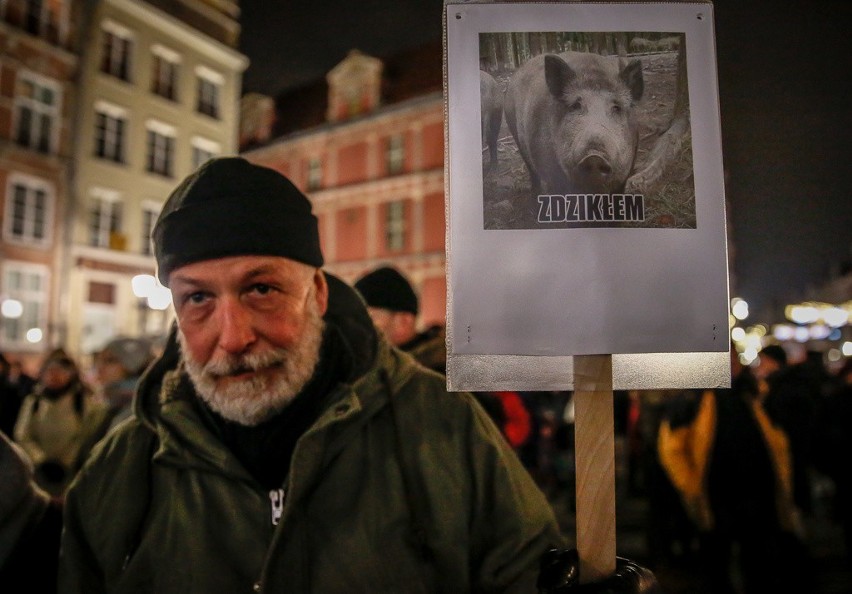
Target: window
(37, 112)
(209, 86)
(164, 75)
(100, 322)
(117, 47)
(395, 226)
(33, 16)
(110, 126)
(28, 285)
(46, 19)
(160, 148)
(203, 150)
(29, 211)
(105, 219)
(150, 212)
(314, 174)
(101, 293)
(396, 153)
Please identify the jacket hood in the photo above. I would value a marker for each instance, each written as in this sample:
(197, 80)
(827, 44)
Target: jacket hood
(346, 314)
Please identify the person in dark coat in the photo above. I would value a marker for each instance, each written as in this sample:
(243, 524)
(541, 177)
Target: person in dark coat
(832, 442)
(30, 526)
(394, 306)
(790, 397)
(731, 467)
(280, 443)
(10, 399)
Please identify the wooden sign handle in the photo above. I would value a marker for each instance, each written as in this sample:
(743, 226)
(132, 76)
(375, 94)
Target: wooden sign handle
(594, 451)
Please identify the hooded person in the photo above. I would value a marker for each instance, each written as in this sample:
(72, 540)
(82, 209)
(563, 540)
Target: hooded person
(55, 420)
(279, 443)
(118, 366)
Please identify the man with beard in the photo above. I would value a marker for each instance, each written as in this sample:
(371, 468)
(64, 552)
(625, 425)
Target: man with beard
(279, 444)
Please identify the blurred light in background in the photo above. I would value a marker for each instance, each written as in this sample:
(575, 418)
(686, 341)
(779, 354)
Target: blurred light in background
(11, 308)
(149, 288)
(739, 308)
(34, 335)
(825, 324)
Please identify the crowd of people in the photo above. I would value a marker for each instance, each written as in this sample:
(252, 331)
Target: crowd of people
(59, 415)
(284, 396)
(50, 424)
(731, 475)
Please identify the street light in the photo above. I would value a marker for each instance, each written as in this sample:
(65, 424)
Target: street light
(142, 284)
(160, 298)
(152, 296)
(739, 308)
(149, 288)
(836, 317)
(12, 309)
(34, 335)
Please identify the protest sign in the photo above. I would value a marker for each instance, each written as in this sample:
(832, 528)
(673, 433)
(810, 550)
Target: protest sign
(586, 236)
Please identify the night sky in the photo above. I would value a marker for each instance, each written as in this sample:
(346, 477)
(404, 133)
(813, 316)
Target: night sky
(785, 96)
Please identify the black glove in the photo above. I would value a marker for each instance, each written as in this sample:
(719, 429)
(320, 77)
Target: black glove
(560, 574)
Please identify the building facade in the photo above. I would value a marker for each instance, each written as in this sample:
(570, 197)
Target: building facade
(375, 176)
(157, 98)
(38, 66)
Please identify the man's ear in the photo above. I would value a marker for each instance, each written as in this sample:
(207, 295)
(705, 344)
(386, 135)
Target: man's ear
(321, 289)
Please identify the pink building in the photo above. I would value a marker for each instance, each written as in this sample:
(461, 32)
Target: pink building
(368, 149)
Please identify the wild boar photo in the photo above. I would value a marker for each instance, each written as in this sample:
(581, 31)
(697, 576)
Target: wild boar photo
(596, 131)
(572, 116)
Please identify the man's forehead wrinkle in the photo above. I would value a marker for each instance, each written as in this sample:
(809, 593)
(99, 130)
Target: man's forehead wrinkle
(247, 271)
(179, 278)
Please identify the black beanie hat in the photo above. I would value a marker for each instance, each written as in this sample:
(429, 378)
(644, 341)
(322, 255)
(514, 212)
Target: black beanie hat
(388, 289)
(775, 352)
(230, 207)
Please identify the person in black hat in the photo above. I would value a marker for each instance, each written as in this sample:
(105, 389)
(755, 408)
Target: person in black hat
(393, 307)
(279, 443)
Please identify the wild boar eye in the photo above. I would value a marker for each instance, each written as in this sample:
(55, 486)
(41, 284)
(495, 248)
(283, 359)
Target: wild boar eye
(617, 109)
(575, 105)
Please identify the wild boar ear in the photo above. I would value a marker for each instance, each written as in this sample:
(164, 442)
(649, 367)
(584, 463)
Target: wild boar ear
(558, 75)
(632, 77)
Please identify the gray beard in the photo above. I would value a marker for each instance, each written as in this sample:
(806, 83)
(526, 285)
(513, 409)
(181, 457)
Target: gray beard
(252, 401)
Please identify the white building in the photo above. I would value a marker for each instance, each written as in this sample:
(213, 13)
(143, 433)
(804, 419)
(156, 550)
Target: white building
(156, 99)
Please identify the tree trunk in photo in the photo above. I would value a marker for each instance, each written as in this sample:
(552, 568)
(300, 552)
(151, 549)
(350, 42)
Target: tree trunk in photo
(669, 144)
(599, 44)
(621, 44)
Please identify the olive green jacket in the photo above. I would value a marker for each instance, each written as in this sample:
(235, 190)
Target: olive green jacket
(399, 486)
